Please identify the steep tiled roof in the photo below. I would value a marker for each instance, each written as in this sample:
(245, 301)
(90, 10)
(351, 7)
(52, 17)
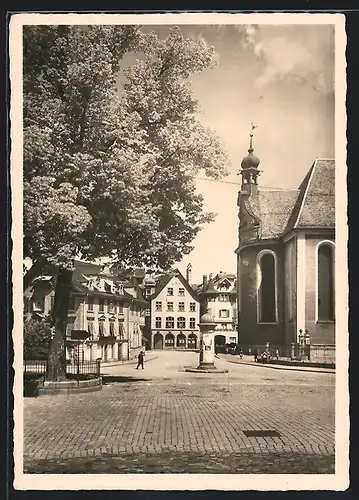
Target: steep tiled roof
(318, 207)
(166, 278)
(209, 289)
(273, 209)
(311, 206)
(315, 205)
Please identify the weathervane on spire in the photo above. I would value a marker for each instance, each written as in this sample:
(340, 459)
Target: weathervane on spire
(250, 150)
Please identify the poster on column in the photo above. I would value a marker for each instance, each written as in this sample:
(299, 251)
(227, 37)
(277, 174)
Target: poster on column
(207, 339)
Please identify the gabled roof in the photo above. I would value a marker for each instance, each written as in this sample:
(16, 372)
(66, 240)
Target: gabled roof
(209, 289)
(317, 207)
(311, 206)
(273, 208)
(166, 278)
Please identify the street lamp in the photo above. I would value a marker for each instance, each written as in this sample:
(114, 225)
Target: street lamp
(307, 343)
(304, 341)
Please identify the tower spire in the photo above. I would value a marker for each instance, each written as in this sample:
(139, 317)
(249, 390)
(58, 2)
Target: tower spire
(250, 150)
(250, 165)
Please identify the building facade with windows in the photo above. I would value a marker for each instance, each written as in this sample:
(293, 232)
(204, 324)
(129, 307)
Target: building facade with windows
(174, 312)
(286, 258)
(111, 311)
(218, 295)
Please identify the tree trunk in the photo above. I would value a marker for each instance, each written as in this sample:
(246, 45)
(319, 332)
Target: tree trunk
(56, 363)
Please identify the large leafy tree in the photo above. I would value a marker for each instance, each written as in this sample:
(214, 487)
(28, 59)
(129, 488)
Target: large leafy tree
(37, 338)
(110, 155)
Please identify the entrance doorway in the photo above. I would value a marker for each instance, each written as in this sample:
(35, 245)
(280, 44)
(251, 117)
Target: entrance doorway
(219, 341)
(158, 341)
(192, 341)
(181, 340)
(170, 340)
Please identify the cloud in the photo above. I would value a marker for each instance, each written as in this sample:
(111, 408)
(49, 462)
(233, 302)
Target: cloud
(292, 53)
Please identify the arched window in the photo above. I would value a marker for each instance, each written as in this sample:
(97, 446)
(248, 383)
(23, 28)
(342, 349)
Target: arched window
(181, 322)
(267, 287)
(158, 322)
(192, 323)
(325, 282)
(170, 322)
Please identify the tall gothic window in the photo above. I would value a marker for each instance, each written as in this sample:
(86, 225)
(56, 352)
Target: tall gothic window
(325, 283)
(267, 288)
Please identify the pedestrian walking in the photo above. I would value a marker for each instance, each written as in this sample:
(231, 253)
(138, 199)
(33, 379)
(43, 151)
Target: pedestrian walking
(140, 360)
(256, 354)
(241, 353)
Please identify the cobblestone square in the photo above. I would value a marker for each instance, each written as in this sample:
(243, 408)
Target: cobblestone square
(165, 420)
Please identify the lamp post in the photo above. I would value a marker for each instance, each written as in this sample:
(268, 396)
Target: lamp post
(307, 343)
(302, 342)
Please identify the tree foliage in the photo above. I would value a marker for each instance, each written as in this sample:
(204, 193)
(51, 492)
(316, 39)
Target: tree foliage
(37, 338)
(110, 153)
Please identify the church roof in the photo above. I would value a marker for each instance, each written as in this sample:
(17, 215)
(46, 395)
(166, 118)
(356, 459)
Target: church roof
(311, 206)
(273, 209)
(315, 206)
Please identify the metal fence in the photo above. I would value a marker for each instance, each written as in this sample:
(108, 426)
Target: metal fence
(72, 368)
(314, 353)
(35, 366)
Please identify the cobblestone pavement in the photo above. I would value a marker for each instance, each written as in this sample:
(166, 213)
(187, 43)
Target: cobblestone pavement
(163, 419)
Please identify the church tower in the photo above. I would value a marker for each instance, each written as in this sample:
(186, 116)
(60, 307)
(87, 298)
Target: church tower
(249, 171)
(248, 222)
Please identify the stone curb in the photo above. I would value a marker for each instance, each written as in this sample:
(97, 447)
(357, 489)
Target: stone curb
(283, 367)
(117, 451)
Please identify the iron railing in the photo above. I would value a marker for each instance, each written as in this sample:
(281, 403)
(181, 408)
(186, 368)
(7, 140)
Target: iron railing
(72, 367)
(312, 352)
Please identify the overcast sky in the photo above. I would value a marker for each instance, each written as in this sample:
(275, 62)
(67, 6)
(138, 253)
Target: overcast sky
(281, 78)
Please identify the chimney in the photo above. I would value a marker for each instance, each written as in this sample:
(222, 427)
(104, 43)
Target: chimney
(205, 280)
(188, 273)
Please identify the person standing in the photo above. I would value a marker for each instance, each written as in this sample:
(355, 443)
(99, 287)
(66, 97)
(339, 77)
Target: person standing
(140, 360)
(256, 354)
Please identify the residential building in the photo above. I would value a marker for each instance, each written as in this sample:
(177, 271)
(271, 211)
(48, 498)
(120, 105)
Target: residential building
(110, 310)
(218, 295)
(174, 312)
(286, 258)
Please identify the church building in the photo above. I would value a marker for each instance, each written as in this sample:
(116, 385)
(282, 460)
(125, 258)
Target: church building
(286, 258)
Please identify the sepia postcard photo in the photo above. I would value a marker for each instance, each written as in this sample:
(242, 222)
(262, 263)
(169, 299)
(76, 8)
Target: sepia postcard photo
(179, 229)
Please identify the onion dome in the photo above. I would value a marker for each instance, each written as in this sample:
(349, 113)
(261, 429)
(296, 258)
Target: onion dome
(250, 161)
(207, 318)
